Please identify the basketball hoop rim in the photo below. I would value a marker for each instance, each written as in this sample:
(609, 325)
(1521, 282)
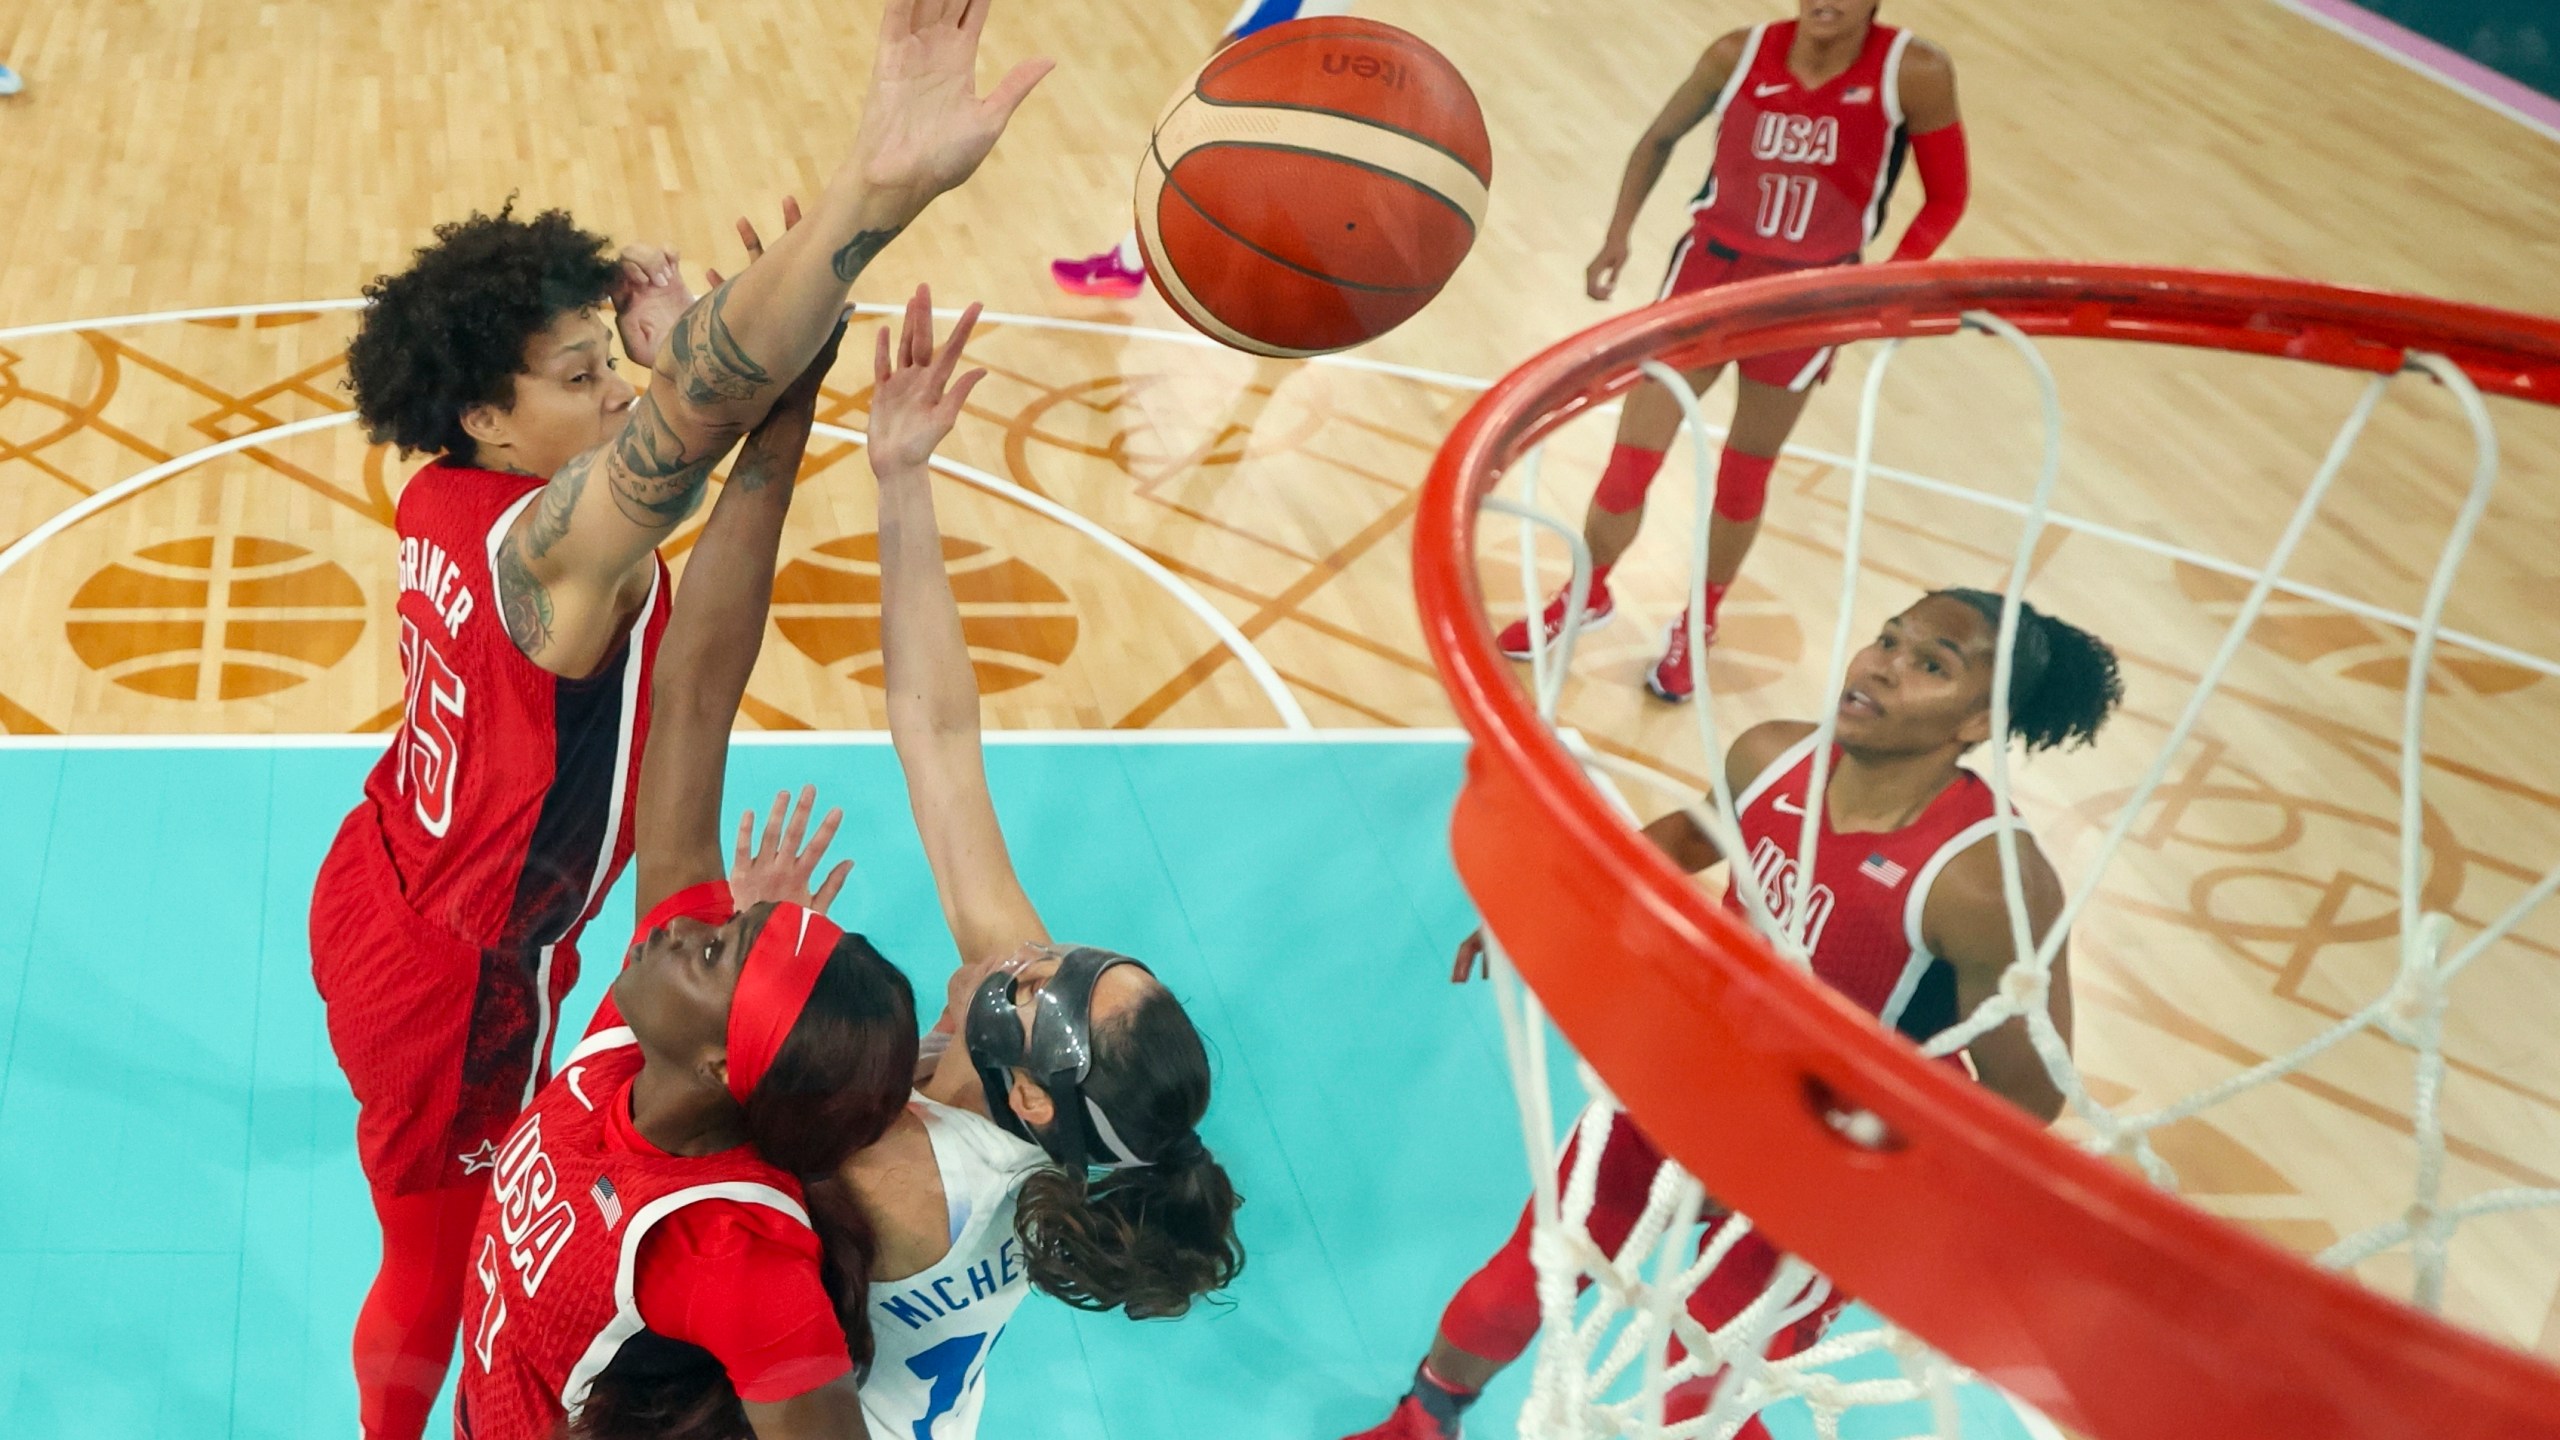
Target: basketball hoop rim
(2114, 1309)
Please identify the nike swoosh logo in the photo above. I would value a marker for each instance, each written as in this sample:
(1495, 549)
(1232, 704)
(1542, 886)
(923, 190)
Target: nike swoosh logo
(576, 1072)
(1763, 92)
(1785, 808)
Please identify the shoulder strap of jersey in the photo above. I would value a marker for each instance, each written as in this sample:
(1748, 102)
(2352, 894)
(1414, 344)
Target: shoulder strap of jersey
(626, 1320)
(1775, 771)
(1889, 88)
(1742, 67)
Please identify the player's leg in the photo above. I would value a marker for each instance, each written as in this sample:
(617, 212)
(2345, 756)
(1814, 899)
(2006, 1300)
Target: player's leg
(399, 996)
(405, 1331)
(1770, 399)
(1493, 1317)
(1647, 425)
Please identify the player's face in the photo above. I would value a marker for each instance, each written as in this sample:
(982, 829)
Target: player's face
(1115, 993)
(569, 397)
(1833, 19)
(675, 989)
(1923, 684)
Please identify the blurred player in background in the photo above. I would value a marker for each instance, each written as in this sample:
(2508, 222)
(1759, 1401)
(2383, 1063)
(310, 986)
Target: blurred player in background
(1816, 116)
(1119, 273)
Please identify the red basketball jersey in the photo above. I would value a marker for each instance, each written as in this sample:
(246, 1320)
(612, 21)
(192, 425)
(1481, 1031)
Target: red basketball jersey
(504, 800)
(1860, 918)
(1803, 175)
(558, 1246)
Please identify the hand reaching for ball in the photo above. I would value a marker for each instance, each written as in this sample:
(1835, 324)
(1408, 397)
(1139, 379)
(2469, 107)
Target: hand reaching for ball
(915, 402)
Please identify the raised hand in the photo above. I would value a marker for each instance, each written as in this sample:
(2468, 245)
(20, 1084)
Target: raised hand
(648, 295)
(925, 128)
(779, 869)
(915, 402)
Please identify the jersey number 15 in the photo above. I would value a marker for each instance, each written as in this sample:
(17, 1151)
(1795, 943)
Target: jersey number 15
(430, 752)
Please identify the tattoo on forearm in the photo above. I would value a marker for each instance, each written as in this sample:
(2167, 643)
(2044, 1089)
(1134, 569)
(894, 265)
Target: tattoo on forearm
(655, 483)
(523, 601)
(861, 250)
(709, 363)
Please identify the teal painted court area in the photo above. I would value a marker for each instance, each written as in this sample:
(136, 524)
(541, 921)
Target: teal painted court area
(184, 1236)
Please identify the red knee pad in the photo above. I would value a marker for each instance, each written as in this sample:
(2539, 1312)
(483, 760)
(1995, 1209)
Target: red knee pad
(1630, 474)
(1742, 485)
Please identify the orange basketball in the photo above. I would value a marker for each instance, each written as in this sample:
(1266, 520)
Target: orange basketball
(1313, 186)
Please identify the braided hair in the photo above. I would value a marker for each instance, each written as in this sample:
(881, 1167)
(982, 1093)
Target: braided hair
(2062, 680)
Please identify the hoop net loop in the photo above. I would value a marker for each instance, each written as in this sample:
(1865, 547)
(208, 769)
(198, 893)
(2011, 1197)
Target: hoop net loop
(2069, 1282)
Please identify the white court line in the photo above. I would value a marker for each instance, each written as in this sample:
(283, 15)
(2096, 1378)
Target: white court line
(2095, 529)
(2540, 125)
(991, 318)
(1273, 687)
(27, 544)
(779, 739)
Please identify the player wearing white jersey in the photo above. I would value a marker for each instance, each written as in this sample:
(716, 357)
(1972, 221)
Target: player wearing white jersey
(941, 1187)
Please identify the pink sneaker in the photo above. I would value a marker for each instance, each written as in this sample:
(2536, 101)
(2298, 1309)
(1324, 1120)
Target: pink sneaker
(1597, 609)
(1101, 276)
(1670, 679)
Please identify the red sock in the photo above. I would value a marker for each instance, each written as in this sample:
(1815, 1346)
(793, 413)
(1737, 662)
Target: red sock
(1715, 601)
(405, 1332)
(1600, 582)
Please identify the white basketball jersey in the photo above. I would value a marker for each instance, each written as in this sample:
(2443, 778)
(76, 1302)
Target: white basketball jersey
(1255, 15)
(933, 1330)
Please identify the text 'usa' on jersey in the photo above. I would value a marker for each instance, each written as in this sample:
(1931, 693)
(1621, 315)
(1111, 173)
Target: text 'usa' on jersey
(1804, 174)
(504, 799)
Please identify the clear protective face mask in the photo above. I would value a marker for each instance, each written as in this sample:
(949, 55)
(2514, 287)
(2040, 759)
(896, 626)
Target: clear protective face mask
(1057, 1054)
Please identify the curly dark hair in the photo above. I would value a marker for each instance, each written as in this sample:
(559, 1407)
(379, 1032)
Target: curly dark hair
(2062, 682)
(449, 332)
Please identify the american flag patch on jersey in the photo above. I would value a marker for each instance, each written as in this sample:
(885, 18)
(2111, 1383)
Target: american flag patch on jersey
(1857, 95)
(1882, 871)
(607, 1201)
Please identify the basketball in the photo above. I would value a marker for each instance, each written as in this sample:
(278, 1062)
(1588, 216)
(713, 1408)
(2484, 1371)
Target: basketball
(1313, 186)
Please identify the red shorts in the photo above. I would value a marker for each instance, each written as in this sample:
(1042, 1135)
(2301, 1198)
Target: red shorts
(1699, 263)
(437, 1035)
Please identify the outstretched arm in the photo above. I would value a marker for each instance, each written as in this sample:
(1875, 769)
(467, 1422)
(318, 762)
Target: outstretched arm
(1689, 105)
(710, 648)
(933, 689)
(563, 566)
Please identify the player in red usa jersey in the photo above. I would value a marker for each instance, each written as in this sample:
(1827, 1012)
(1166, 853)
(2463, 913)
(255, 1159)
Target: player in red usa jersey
(649, 1214)
(445, 921)
(1903, 914)
(1815, 115)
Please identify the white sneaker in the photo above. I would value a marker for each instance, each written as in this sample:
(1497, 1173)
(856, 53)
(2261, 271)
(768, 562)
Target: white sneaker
(10, 84)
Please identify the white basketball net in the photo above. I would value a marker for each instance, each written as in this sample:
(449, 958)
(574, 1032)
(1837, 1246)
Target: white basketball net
(1604, 1358)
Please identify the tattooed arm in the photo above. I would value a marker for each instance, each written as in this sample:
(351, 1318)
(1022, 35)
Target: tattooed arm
(567, 568)
(711, 646)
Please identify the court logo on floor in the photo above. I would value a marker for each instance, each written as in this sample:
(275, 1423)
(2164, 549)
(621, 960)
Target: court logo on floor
(215, 617)
(1020, 624)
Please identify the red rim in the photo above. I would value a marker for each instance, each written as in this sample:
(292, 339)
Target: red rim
(2114, 1307)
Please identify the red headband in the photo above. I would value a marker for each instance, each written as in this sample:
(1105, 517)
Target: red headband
(773, 987)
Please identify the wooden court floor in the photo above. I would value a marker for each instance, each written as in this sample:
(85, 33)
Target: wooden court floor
(1148, 533)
